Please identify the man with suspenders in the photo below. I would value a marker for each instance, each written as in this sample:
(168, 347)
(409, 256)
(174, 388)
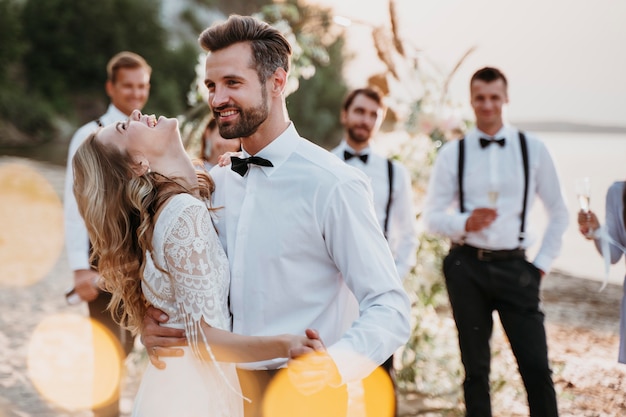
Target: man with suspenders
(479, 196)
(362, 114)
(128, 88)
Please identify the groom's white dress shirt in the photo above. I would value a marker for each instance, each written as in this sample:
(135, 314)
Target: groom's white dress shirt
(306, 251)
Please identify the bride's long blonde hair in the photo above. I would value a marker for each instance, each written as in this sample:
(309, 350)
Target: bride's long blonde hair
(119, 209)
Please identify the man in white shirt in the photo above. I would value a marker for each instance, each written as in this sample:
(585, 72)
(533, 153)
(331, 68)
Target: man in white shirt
(128, 87)
(361, 116)
(481, 191)
(298, 224)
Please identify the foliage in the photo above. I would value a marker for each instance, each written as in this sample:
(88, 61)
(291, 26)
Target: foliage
(27, 118)
(314, 107)
(11, 40)
(70, 42)
(23, 117)
(417, 91)
(317, 50)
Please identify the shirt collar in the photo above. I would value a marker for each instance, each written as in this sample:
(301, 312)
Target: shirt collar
(365, 151)
(113, 115)
(278, 150)
(475, 134)
(500, 133)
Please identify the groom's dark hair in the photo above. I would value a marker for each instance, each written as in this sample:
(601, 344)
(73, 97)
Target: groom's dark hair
(270, 49)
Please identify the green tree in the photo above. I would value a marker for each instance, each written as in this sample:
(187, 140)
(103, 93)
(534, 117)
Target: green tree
(318, 64)
(71, 41)
(316, 105)
(11, 40)
(24, 118)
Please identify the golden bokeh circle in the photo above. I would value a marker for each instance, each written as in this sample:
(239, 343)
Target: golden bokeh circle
(64, 354)
(31, 226)
(372, 396)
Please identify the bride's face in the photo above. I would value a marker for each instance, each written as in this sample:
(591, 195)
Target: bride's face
(142, 135)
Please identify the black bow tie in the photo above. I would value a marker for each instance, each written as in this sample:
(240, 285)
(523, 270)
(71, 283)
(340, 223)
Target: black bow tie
(240, 165)
(347, 155)
(484, 142)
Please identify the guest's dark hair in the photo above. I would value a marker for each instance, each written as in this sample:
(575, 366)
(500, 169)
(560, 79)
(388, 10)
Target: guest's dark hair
(270, 49)
(488, 75)
(370, 92)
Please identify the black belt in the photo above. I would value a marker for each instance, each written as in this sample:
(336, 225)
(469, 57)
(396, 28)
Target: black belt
(488, 255)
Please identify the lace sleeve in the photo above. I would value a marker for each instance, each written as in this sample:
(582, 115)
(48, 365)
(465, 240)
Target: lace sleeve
(199, 272)
(197, 267)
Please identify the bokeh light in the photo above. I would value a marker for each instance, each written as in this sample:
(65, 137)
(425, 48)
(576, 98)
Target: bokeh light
(372, 396)
(64, 354)
(31, 226)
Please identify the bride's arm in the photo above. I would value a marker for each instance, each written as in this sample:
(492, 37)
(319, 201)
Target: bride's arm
(196, 269)
(232, 347)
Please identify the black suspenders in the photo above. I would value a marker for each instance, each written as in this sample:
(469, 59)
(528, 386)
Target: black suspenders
(390, 176)
(524, 148)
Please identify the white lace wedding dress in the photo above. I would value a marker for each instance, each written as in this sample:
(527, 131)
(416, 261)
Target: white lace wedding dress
(187, 246)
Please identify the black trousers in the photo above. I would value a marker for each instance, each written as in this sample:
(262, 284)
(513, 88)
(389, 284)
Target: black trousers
(511, 287)
(98, 312)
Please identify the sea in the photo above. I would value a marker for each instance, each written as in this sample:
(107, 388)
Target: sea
(602, 158)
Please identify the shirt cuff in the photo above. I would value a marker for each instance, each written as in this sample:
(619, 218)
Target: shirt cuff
(351, 366)
(78, 261)
(543, 262)
(458, 225)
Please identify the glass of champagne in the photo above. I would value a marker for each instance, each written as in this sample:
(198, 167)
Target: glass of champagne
(493, 198)
(583, 192)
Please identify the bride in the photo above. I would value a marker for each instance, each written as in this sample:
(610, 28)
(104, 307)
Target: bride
(146, 210)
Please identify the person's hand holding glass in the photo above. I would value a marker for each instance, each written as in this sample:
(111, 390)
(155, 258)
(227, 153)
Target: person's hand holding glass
(587, 220)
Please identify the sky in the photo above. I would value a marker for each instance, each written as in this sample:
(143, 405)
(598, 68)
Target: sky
(564, 59)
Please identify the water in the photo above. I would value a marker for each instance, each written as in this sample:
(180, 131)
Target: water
(602, 158)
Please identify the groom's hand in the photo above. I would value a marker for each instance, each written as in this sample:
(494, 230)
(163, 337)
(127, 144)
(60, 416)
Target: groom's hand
(160, 340)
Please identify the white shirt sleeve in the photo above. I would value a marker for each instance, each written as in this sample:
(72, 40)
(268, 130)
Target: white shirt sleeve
(440, 215)
(76, 236)
(361, 253)
(550, 192)
(402, 233)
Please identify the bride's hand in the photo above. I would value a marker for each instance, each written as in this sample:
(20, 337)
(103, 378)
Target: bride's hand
(310, 372)
(302, 345)
(224, 159)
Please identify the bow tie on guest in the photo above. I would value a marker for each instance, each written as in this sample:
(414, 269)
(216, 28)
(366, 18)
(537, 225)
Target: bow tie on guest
(484, 142)
(240, 165)
(347, 155)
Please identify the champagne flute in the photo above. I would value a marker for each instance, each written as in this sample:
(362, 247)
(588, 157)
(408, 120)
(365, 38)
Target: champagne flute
(583, 193)
(493, 197)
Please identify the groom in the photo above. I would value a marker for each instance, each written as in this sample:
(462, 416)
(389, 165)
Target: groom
(298, 224)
